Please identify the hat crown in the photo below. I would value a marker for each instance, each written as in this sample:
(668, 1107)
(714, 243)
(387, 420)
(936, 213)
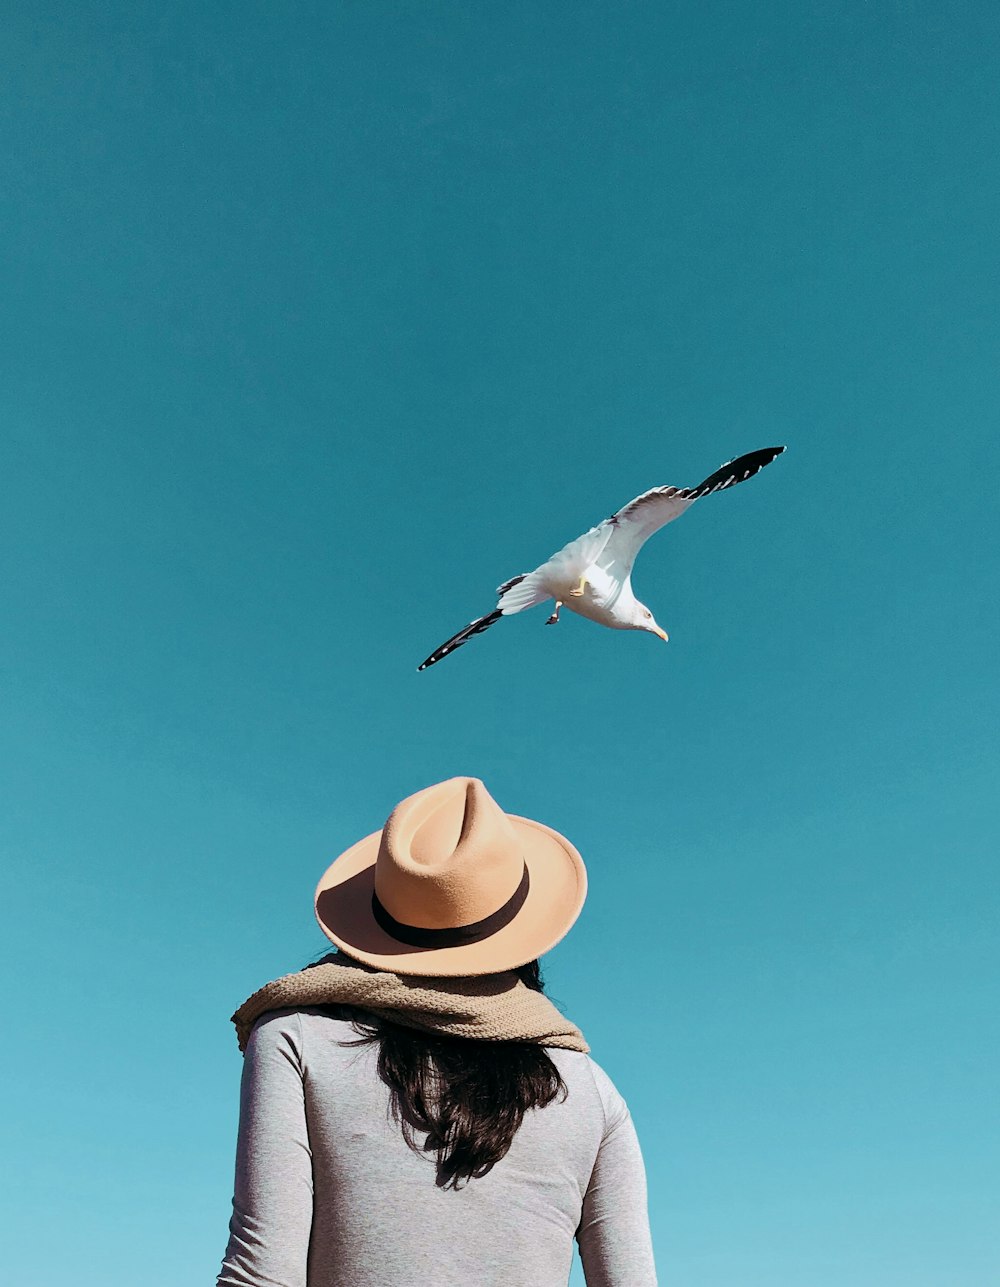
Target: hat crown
(449, 856)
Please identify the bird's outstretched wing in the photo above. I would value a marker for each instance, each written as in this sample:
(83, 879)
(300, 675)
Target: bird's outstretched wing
(473, 628)
(578, 555)
(736, 471)
(636, 522)
(515, 595)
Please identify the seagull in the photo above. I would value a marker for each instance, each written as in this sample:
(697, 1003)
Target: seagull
(592, 576)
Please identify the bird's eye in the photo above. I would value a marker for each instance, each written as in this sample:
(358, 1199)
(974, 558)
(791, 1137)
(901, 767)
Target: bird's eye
(648, 614)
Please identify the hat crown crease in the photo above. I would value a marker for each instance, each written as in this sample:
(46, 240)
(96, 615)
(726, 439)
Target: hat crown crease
(448, 857)
(443, 829)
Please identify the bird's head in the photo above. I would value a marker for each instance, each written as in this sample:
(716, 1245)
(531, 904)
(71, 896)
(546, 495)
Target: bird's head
(643, 619)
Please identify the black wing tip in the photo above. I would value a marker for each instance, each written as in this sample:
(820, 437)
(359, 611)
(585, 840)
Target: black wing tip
(734, 471)
(759, 458)
(473, 628)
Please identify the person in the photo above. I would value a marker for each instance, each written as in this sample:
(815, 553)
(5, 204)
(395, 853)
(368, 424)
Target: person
(414, 1110)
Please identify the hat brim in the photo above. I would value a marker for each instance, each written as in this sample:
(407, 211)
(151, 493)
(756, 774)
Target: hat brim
(557, 889)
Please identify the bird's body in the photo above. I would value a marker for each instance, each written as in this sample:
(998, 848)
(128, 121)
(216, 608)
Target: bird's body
(607, 596)
(604, 599)
(592, 576)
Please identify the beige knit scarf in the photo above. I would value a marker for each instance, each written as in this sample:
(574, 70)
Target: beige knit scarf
(495, 1007)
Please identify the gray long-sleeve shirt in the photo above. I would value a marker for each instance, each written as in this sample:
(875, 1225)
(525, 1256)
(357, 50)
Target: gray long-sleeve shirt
(329, 1195)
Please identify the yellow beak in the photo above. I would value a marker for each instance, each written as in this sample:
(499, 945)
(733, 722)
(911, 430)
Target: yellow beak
(663, 634)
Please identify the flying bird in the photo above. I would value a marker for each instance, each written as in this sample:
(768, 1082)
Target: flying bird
(592, 576)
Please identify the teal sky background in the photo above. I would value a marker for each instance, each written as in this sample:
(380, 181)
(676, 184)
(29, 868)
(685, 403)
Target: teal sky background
(319, 321)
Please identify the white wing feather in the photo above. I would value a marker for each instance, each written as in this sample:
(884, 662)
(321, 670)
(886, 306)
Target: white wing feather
(574, 559)
(633, 525)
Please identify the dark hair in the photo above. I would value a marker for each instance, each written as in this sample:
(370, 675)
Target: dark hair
(465, 1098)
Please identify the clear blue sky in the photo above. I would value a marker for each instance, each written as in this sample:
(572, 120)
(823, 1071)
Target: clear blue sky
(322, 319)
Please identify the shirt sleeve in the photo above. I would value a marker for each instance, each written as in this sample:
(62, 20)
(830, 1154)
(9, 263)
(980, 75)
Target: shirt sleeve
(614, 1238)
(273, 1198)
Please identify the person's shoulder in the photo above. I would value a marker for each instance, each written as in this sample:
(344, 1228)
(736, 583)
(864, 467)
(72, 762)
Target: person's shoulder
(298, 1029)
(580, 1064)
(327, 1035)
(273, 1028)
(575, 1065)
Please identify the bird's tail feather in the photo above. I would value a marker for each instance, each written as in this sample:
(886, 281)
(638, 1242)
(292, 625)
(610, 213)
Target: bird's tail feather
(509, 585)
(521, 592)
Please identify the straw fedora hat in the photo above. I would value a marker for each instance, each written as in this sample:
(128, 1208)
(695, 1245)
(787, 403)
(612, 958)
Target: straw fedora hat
(452, 885)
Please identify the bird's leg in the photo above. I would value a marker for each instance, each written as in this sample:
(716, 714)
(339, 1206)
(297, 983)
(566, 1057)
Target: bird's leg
(578, 590)
(555, 616)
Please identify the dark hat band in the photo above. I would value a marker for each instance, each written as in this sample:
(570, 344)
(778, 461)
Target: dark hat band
(457, 935)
